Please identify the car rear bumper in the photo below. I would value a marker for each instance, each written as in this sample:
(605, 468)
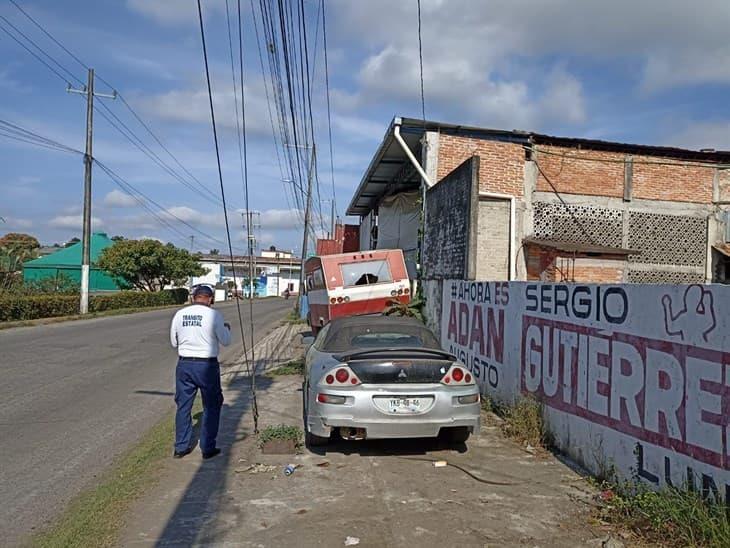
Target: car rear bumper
(361, 412)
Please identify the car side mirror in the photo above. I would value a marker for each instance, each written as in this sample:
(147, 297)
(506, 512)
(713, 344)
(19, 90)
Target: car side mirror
(307, 340)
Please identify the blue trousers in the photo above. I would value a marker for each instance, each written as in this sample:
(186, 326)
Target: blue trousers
(191, 375)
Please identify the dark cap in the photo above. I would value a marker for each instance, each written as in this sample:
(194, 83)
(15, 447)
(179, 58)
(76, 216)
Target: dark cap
(201, 289)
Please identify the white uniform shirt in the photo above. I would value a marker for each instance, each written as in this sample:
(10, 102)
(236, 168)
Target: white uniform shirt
(197, 330)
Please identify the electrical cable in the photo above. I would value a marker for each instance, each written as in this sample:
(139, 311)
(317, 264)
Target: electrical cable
(248, 218)
(134, 113)
(223, 198)
(420, 61)
(34, 54)
(329, 116)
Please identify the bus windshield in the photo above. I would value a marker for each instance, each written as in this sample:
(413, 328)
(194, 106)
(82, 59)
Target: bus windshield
(365, 273)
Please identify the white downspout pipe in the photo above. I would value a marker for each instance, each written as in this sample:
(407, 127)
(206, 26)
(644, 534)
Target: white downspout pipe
(512, 225)
(407, 150)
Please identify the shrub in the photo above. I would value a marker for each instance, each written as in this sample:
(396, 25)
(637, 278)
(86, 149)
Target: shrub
(524, 423)
(31, 307)
(280, 432)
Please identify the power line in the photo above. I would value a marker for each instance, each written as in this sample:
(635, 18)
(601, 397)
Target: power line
(14, 131)
(34, 54)
(225, 212)
(329, 115)
(420, 62)
(146, 126)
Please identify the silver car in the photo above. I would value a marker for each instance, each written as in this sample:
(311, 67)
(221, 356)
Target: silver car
(385, 377)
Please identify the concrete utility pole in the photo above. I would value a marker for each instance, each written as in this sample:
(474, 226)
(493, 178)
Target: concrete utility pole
(250, 227)
(88, 161)
(307, 211)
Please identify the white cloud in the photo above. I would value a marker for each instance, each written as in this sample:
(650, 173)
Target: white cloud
(191, 105)
(493, 64)
(117, 198)
(73, 221)
(699, 135)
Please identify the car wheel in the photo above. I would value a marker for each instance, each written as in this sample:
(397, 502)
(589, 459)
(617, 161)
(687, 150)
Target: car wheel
(311, 440)
(458, 434)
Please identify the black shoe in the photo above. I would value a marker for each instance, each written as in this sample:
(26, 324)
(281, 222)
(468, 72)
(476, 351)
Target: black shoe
(181, 454)
(212, 453)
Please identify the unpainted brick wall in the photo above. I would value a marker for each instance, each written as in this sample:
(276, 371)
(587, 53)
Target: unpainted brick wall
(548, 265)
(501, 165)
(574, 171)
(450, 227)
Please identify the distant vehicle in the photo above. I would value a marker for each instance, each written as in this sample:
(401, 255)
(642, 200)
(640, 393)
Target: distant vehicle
(349, 284)
(371, 377)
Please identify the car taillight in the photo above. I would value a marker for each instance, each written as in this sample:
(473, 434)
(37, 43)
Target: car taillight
(342, 375)
(393, 293)
(471, 398)
(400, 292)
(457, 375)
(333, 300)
(330, 398)
(347, 299)
(406, 291)
(339, 299)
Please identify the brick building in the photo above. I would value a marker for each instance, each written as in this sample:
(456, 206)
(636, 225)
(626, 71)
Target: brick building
(502, 205)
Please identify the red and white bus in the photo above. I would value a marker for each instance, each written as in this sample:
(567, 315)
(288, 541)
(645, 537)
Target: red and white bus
(352, 284)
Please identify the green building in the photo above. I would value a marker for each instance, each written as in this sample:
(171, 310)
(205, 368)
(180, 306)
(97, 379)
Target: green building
(67, 261)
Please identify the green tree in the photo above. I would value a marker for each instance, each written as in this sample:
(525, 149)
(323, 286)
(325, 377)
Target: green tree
(214, 251)
(18, 243)
(117, 238)
(149, 265)
(71, 242)
(15, 249)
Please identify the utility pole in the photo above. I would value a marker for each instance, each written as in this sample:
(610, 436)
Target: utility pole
(307, 211)
(332, 217)
(251, 237)
(192, 242)
(88, 90)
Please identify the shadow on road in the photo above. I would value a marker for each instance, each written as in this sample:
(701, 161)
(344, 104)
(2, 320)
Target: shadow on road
(380, 448)
(193, 521)
(155, 393)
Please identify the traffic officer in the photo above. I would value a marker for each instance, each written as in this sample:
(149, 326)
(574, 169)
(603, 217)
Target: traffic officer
(196, 332)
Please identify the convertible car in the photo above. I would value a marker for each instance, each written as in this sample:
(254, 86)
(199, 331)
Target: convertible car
(385, 377)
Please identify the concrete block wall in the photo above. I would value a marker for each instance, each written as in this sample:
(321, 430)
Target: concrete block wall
(449, 239)
(630, 377)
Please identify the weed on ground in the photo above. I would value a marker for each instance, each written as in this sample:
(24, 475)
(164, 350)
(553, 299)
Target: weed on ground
(522, 422)
(281, 432)
(671, 517)
(294, 367)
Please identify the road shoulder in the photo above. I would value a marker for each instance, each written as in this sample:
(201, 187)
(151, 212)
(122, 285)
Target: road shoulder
(383, 493)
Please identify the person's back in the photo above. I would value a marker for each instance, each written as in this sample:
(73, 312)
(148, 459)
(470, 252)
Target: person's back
(197, 330)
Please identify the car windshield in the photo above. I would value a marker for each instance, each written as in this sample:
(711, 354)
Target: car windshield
(366, 337)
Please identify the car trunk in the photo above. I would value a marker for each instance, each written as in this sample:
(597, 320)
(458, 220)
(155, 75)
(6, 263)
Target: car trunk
(399, 371)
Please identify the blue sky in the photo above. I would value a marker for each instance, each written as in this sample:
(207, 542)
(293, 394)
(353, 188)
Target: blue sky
(654, 72)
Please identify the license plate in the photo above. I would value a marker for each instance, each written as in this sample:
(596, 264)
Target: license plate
(404, 406)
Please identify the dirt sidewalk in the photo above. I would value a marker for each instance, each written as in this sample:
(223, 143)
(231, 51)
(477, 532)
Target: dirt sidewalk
(382, 493)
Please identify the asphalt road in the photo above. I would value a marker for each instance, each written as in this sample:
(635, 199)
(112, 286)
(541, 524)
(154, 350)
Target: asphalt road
(74, 395)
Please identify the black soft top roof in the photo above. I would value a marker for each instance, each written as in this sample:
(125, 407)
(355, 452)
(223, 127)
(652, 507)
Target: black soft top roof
(343, 331)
